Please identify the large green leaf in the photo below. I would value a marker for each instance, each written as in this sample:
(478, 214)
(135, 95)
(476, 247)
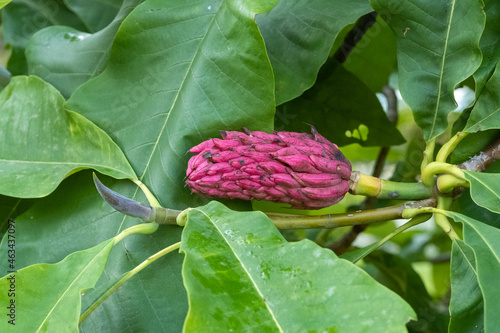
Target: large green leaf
(42, 143)
(373, 58)
(66, 57)
(51, 293)
(299, 36)
(10, 208)
(23, 18)
(398, 275)
(329, 107)
(4, 2)
(242, 275)
(489, 43)
(466, 303)
(485, 241)
(485, 189)
(486, 112)
(190, 70)
(95, 14)
(75, 217)
(438, 47)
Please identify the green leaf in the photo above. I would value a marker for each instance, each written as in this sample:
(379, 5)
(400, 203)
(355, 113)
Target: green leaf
(75, 217)
(55, 307)
(486, 112)
(489, 43)
(10, 208)
(299, 36)
(485, 189)
(42, 143)
(66, 57)
(438, 47)
(3, 3)
(193, 69)
(466, 303)
(95, 14)
(466, 206)
(329, 107)
(242, 275)
(485, 242)
(398, 275)
(23, 18)
(373, 58)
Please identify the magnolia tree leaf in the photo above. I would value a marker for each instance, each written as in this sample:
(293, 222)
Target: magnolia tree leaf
(75, 217)
(489, 43)
(373, 58)
(189, 71)
(242, 275)
(10, 208)
(42, 143)
(438, 47)
(485, 242)
(468, 207)
(466, 303)
(486, 112)
(95, 14)
(4, 2)
(299, 36)
(23, 18)
(329, 107)
(485, 189)
(51, 293)
(66, 57)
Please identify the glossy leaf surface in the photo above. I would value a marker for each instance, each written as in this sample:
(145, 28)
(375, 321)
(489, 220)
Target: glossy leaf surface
(42, 143)
(485, 189)
(441, 37)
(241, 274)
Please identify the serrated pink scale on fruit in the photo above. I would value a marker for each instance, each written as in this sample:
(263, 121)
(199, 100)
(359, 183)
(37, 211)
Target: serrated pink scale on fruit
(284, 179)
(200, 171)
(299, 163)
(271, 191)
(210, 181)
(267, 147)
(273, 167)
(258, 157)
(225, 144)
(325, 193)
(224, 156)
(263, 180)
(316, 179)
(331, 166)
(255, 194)
(235, 175)
(237, 163)
(238, 195)
(202, 146)
(248, 184)
(287, 151)
(219, 168)
(230, 187)
(233, 135)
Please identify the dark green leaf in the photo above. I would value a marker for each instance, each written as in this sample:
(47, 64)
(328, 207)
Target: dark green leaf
(489, 43)
(42, 143)
(468, 207)
(466, 304)
(486, 112)
(472, 145)
(438, 47)
(66, 57)
(373, 58)
(21, 19)
(398, 275)
(4, 2)
(485, 189)
(242, 275)
(191, 70)
(51, 293)
(95, 14)
(330, 108)
(10, 208)
(485, 242)
(299, 36)
(75, 217)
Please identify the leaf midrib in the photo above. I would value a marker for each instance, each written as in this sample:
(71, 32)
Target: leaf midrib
(442, 70)
(246, 271)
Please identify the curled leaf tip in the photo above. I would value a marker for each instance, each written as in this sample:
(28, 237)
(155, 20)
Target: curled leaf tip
(121, 203)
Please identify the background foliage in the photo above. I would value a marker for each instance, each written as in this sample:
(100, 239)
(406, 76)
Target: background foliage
(126, 87)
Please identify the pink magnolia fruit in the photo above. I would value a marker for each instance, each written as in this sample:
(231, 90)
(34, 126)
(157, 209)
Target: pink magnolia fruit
(304, 170)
